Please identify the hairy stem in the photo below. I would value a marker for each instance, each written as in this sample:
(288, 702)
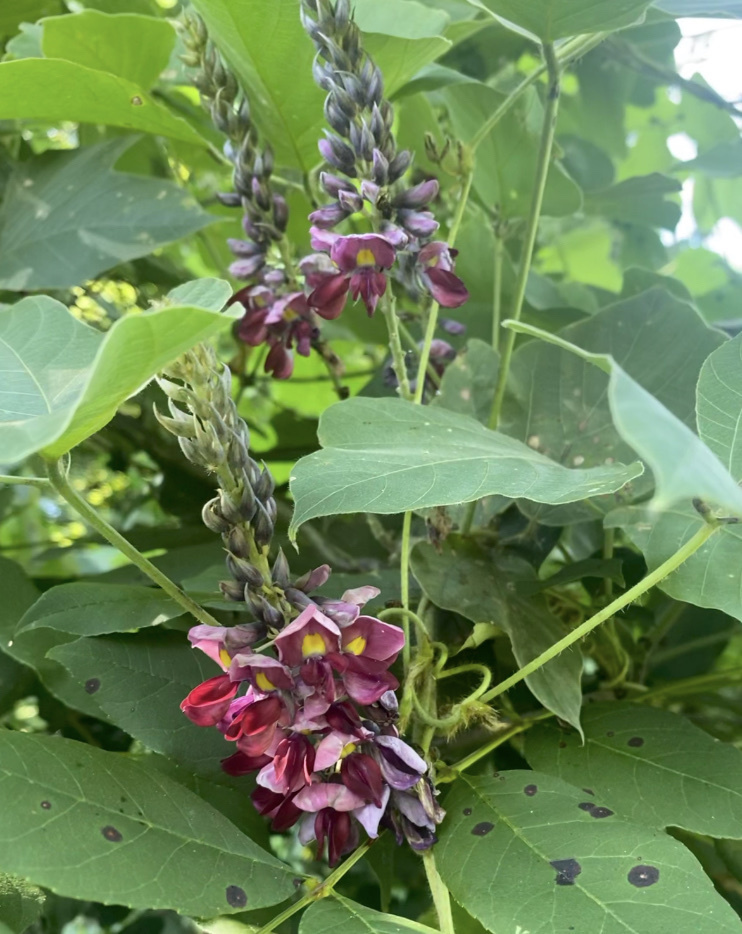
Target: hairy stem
(395, 345)
(58, 479)
(26, 481)
(659, 574)
(435, 307)
(439, 891)
(404, 571)
(321, 891)
(529, 242)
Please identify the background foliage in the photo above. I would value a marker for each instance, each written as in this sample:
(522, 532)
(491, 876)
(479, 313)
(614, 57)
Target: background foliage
(608, 796)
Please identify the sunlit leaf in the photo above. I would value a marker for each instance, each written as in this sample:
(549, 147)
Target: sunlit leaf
(388, 455)
(60, 390)
(553, 19)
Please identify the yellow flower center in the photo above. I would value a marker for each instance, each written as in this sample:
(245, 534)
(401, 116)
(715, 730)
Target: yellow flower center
(263, 682)
(313, 644)
(225, 658)
(357, 646)
(365, 258)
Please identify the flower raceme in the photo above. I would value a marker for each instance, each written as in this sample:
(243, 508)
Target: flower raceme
(317, 724)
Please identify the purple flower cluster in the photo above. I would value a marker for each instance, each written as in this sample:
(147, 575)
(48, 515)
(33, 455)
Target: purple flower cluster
(317, 724)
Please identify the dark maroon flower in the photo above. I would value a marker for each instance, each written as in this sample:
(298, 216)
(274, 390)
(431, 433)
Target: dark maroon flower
(279, 362)
(435, 261)
(241, 764)
(335, 826)
(291, 767)
(254, 727)
(362, 775)
(280, 808)
(208, 702)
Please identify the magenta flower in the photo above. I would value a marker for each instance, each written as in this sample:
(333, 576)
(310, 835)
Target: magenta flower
(369, 638)
(361, 260)
(266, 674)
(254, 727)
(310, 634)
(221, 643)
(209, 702)
(435, 264)
(362, 775)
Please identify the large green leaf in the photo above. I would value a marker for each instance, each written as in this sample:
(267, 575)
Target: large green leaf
(388, 455)
(59, 390)
(507, 157)
(701, 7)
(20, 903)
(101, 827)
(51, 238)
(64, 613)
(341, 914)
(521, 851)
(712, 577)
(639, 200)
(129, 45)
(141, 681)
(558, 402)
(15, 12)
(554, 19)
(654, 767)
(52, 90)
(683, 466)
(483, 587)
(257, 37)
(468, 384)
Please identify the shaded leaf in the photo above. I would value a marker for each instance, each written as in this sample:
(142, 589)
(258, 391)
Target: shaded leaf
(468, 384)
(701, 7)
(51, 238)
(507, 157)
(60, 390)
(20, 903)
(338, 913)
(652, 766)
(15, 12)
(388, 455)
(143, 840)
(554, 19)
(483, 587)
(683, 467)
(639, 200)
(84, 95)
(129, 45)
(64, 613)
(519, 852)
(558, 402)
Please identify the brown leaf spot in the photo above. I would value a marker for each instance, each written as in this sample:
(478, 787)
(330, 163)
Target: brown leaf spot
(567, 871)
(236, 897)
(92, 685)
(530, 790)
(137, 100)
(467, 812)
(635, 741)
(46, 805)
(111, 834)
(642, 876)
(481, 830)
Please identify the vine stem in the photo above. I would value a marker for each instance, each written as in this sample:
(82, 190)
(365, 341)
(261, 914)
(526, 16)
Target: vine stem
(542, 171)
(439, 891)
(58, 478)
(435, 307)
(659, 574)
(395, 345)
(28, 481)
(322, 890)
(404, 572)
(497, 290)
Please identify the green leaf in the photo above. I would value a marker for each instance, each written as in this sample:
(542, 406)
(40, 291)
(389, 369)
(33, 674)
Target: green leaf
(482, 586)
(141, 681)
(709, 8)
(721, 161)
(290, 112)
(388, 456)
(652, 766)
(129, 45)
(468, 384)
(61, 240)
(558, 404)
(519, 853)
(639, 200)
(507, 157)
(208, 293)
(554, 19)
(711, 577)
(84, 95)
(59, 391)
(68, 611)
(20, 903)
(683, 467)
(100, 827)
(15, 12)
(338, 913)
